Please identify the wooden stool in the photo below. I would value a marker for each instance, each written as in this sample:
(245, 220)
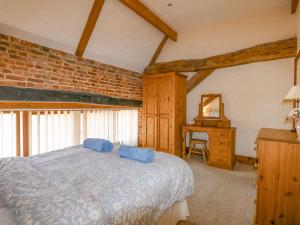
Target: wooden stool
(203, 150)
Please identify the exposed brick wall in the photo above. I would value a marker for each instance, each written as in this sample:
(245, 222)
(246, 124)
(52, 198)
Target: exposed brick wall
(28, 65)
(25, 64)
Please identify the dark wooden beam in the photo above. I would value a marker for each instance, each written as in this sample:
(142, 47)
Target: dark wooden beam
(53, 106)
(158, 50)
(89, 27)
(41, 95)
(294, 6)
(143, 11)
(263, 52)
(197, 78)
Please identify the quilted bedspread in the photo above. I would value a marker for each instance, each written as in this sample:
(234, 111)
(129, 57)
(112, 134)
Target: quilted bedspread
(80, 186)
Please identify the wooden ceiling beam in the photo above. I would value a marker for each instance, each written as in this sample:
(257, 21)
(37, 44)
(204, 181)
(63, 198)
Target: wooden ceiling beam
(197, 78)
(294, 6)
(89, 27)
(158, 50)
(264, 52)
(144, 12)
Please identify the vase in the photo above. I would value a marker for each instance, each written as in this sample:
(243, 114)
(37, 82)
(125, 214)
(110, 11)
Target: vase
(298, 129)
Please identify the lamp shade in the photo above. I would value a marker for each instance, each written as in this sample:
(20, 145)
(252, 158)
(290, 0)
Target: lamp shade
(294, 93)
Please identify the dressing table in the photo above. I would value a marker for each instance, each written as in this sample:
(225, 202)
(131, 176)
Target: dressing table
(221, 136)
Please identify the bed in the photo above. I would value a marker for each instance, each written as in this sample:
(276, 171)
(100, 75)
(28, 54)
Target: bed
(81, 186)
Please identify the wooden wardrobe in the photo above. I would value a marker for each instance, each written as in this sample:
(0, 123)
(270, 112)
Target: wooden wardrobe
(164, 111)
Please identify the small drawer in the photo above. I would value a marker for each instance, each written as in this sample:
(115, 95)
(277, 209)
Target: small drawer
(220, 151)
(220, 133)
(219, 159)
(219, 142)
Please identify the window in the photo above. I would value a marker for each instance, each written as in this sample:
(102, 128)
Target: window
(50, 130)
(117, 126)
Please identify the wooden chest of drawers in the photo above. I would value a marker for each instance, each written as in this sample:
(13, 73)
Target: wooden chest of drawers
(278, 182)
(221, 144)
(222, 147)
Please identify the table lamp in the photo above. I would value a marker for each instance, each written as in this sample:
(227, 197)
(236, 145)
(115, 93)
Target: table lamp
(294, 94)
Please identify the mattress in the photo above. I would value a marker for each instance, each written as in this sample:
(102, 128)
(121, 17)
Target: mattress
(78, 184)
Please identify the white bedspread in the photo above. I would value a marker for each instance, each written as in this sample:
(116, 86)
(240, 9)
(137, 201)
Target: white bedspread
(81, 186)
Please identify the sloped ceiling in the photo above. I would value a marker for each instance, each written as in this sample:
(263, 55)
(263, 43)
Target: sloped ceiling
(120, 37)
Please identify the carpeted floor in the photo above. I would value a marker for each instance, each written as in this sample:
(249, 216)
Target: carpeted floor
(221, 197)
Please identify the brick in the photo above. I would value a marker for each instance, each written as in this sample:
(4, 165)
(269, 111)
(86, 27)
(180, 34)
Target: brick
(6, 71)
(14, 77)
(3, 49)
(35, 80)
(25, 64)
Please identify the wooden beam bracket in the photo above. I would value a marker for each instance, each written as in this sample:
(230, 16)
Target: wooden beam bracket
(294, 6)
(197, 78)
(158, 50)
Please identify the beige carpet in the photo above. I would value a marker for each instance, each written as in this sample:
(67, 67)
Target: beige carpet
(222, 197)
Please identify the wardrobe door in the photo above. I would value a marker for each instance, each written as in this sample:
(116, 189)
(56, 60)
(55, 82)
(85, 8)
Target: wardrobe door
(150, 113)
(165, 107)
(151, 131)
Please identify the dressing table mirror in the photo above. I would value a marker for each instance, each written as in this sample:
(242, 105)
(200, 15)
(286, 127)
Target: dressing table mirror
(211, 106)
(211, 112)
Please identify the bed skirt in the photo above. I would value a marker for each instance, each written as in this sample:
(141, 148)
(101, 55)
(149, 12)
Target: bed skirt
(179, 211)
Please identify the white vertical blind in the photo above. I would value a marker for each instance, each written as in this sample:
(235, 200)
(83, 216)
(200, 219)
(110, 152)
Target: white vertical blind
(7, 134)
(53, 130)
(100, 124)
(114, 125)
(127, 127)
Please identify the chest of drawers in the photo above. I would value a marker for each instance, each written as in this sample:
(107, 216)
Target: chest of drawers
(278, 181)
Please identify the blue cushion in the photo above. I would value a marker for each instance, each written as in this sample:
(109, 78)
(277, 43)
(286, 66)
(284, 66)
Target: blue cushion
(145, 155)
(97, 144)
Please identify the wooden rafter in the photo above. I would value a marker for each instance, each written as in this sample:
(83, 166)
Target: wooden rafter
(158, 50)
(89, 27)
(264, 52)
(294, 6)
(143, 11)
(197, 78)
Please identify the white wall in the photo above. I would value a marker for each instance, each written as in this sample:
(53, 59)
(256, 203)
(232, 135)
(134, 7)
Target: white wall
(252, 93)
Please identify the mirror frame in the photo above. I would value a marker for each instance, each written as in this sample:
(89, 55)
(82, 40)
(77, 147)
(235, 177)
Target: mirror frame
(220, 107)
